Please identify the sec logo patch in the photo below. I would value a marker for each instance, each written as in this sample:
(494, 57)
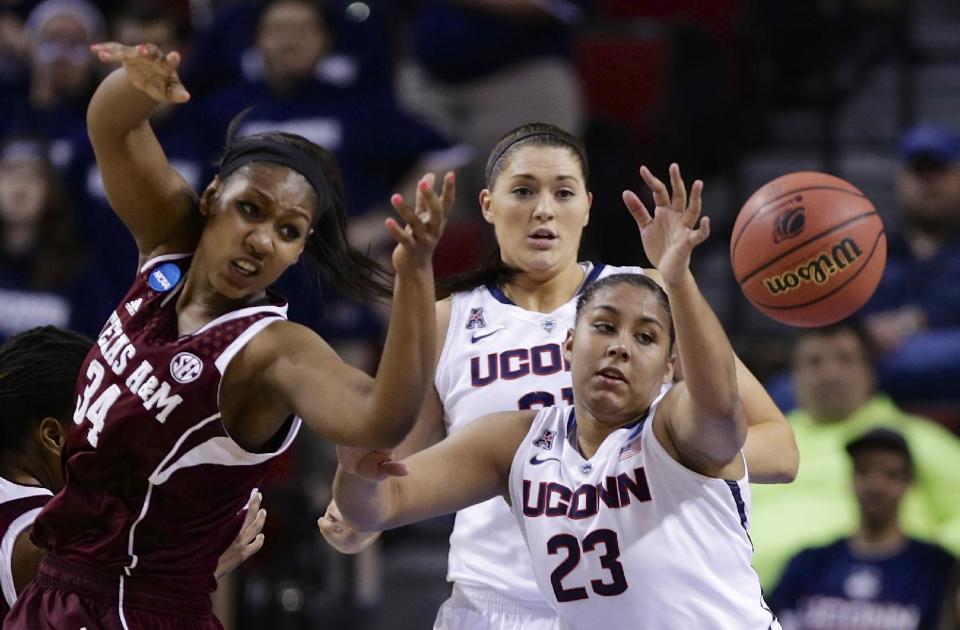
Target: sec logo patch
(185, 367)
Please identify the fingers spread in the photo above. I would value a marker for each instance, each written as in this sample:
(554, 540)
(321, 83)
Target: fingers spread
(661, 196)
(679, 201)
(637, 209)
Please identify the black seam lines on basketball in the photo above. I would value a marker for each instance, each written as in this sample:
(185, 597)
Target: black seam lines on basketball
(847, 223)
(845, 282)
(762, 210)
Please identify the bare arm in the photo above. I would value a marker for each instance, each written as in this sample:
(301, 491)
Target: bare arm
(771, 449)
(340, 402)
(428, 430)
(703, 416)
(152, 199)
(466, 468)
(25, 560)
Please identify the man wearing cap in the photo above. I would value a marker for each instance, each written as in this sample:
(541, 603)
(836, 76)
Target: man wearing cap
(914, 316)
(878, 577)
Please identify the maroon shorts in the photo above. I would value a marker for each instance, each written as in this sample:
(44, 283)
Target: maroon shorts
(70, 595)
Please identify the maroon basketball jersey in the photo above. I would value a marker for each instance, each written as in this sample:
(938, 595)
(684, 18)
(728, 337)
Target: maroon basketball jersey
(19, 506)
(154, 484)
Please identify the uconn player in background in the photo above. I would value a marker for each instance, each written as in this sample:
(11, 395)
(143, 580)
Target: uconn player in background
(633, 502)
(197, 380)
(38, 372)
(501, 335)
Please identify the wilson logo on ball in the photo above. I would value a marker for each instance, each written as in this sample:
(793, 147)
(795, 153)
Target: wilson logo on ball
(818, 269)
(790, 223)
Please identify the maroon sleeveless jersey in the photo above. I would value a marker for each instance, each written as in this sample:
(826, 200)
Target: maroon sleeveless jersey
(19, 506)
(153, 484)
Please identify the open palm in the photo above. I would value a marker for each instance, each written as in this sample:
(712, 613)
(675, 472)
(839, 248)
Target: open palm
(671, 233)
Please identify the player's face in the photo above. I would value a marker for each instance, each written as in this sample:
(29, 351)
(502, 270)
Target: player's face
(620, 353)
(539, 206)
(831, 374)
(257, 224)
(880, 479)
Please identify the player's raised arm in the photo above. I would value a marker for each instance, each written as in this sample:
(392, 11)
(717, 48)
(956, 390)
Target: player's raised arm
(703, 416)
(342, 403)
(771, 448)
(152, 199)
(374, 492)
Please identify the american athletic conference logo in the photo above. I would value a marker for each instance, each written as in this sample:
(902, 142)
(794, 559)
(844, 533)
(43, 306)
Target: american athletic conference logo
(185, 367)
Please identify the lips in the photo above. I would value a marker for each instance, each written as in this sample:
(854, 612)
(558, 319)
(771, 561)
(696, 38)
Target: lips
(542, 233)
(612, 373)
(245, 267)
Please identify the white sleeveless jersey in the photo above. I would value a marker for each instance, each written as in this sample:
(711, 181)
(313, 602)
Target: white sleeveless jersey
(631, 538)
(500, 357)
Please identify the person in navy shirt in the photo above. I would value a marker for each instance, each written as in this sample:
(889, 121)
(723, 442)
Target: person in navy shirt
(878, 577)
(914, 315)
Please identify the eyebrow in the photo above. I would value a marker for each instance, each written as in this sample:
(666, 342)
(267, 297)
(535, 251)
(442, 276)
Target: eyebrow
(615, 311)
(272, 201)
(558, 178)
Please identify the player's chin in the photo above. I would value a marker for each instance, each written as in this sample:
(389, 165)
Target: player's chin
(609, 406)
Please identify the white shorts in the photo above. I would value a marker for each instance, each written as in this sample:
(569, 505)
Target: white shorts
(478, 608)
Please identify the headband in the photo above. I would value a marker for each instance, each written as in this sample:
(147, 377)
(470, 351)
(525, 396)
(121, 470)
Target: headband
(499, 155)
(261, 150)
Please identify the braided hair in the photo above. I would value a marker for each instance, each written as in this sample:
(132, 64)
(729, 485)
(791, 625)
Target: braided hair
(38, 374)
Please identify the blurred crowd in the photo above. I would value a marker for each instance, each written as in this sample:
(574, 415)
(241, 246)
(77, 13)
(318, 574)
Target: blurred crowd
(397, 88)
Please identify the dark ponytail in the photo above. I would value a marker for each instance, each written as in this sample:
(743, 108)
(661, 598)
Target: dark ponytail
(352, 273)
(492, 270)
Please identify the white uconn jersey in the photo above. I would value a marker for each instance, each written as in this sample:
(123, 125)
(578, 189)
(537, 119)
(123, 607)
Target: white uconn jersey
(631, 538)
(500, 357)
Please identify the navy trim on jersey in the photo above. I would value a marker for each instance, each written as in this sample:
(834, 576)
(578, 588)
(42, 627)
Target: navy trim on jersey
(592, 276)
(499, 295)
(738, 499)
(742, 511)
(572, 420)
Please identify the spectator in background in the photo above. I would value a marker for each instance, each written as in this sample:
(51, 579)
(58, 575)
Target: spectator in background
(914, 316)
(62, 76)
(478, 67)
(878, 577)
(835, 385)
(42, 267)
(293, 38)
(225, 50)
(175, 127)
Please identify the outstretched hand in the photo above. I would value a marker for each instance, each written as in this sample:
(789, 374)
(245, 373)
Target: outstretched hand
(373, 465)
(424, 223)
(147, 68)
(670, 235)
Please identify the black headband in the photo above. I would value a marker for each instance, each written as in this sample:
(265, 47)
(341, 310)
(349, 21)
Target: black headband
(517, 140)
(261, 150)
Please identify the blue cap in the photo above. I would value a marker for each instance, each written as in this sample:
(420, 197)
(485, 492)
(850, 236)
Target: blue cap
(933, 141)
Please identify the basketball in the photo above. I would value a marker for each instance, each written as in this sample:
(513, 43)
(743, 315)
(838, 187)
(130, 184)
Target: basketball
(808, 249)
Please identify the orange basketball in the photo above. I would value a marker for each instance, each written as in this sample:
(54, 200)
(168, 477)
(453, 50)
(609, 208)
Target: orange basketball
(808, 249)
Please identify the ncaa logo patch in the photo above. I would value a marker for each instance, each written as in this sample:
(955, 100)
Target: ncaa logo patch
(185, 367)
(164, 277)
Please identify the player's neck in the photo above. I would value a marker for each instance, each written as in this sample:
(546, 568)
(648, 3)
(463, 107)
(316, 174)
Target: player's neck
(199, 303)
(15, 470)
(590, 433)
(545, 293)
(877, 539)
